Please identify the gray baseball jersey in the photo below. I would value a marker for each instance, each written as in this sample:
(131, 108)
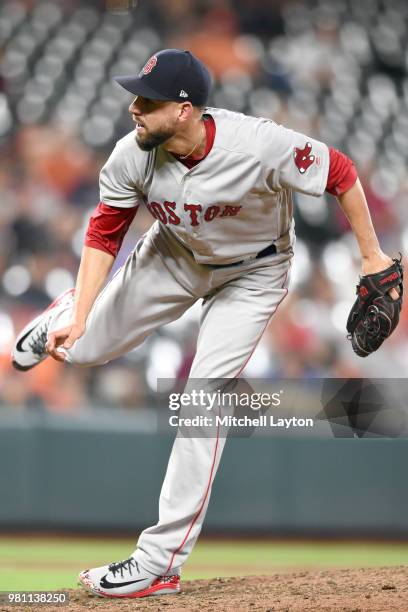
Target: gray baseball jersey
(227, 208)
(236, 201)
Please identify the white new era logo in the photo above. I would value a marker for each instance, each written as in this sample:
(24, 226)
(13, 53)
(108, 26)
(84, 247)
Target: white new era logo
(183, 94)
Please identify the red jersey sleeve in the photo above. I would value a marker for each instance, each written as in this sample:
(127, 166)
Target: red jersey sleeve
(342, 173)
(107, 227)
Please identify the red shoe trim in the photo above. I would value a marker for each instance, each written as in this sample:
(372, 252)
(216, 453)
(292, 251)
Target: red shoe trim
(153, 588)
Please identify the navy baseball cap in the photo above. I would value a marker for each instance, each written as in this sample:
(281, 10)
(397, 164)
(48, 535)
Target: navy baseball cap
(171, 74)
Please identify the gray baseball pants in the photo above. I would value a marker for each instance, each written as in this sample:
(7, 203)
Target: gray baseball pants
(158, 283)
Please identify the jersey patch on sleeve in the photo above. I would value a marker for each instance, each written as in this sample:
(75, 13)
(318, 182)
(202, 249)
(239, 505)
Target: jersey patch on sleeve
(304, 158)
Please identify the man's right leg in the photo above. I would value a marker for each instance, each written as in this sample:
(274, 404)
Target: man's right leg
(142, 296)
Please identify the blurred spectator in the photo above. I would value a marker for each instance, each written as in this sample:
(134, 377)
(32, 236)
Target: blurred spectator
(215, 40)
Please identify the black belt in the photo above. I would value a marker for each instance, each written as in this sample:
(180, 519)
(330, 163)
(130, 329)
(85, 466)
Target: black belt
(269, 250)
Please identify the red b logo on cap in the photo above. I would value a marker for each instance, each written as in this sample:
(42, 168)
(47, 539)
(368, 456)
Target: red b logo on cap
(150, 64)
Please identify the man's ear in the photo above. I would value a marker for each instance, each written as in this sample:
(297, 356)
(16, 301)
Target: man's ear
(185, 111)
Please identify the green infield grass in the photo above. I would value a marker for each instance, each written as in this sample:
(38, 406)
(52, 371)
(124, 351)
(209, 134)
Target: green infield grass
(44, 563)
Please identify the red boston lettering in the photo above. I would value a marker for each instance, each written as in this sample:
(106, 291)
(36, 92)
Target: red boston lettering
(173, 218)
(211, 213)
(230, 211)
(157, 212)
(151, 211)
(166, 212)
(193, 210)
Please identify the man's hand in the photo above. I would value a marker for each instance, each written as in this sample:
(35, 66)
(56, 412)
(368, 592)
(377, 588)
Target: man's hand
(376, 263)
(64, 338)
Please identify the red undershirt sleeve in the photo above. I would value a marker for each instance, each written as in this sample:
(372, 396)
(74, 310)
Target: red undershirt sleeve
(342, 173)
(107, 227)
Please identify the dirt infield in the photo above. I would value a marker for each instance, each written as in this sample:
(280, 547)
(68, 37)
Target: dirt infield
(380, 589)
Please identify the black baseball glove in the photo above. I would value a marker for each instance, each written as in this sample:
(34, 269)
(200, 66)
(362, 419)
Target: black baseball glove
(375, 314)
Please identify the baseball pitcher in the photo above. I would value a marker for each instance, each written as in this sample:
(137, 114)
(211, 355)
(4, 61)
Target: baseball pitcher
(219, 185)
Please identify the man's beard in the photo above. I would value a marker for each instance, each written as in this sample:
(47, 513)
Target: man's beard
(149, 141)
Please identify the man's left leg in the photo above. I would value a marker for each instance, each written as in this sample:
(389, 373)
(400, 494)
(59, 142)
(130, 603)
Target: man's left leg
(233, 320)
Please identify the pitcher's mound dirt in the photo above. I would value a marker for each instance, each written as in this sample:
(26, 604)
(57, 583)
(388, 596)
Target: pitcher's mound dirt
(380, 589)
